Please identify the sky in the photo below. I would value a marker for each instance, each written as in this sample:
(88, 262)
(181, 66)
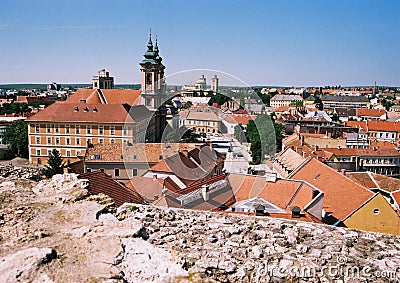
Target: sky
(277, 43)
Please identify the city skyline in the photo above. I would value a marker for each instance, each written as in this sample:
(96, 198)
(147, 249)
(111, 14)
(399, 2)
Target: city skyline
(291, 43)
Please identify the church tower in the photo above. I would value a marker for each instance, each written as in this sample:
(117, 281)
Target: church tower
(152, 72)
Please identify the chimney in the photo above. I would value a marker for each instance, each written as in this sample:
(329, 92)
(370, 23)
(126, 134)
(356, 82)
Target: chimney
(211, 145)
(295, 211)
(343, 172)
(204, 192)
(155, 177)
(316, 147)
(339, 147)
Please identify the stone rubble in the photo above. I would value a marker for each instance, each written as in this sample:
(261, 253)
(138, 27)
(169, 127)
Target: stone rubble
(52, 231)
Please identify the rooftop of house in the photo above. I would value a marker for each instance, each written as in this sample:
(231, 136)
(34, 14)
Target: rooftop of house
(101, 183)
(366, 152)
(344, 98)
(283, 193)
(289, 159)
(371, 180)
(105, 96)
(286, 97)
(342, 196)
(136, 152)
(199, 115)
(149, 188)
(92, 113)
(240, 119)
(365, 112)
(372, 125)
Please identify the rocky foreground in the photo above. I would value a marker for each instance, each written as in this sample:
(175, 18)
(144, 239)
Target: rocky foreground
(53, 231)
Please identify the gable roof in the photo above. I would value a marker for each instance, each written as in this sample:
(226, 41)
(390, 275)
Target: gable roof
(288, 159)
(105, 96)
(342, 195)
(376, 126)
(101, 183)
(375, 181)
(148, 188)
(283, 193)
(384, 152)
(97, 113)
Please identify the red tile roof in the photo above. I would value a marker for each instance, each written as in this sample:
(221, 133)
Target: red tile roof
(112, 96)
(101, 183)
(365, 112)
(342, 196)
(387, 152)
(375, 126)
(97, 113)
(282, 193)
(396, 197)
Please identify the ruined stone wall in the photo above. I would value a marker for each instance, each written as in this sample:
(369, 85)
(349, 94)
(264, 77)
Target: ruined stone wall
(52, 231)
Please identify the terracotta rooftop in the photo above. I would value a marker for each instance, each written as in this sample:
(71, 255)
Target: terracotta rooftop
(148, 188)
(384, 152)
(371, 125)
(365, 112)
(386, 183)
(105, 96)
(101, 183)
(396, 197)
(97, 113)
(240, 119)
(282, 193)
(289, 159)
(342, 195)
(137, 152)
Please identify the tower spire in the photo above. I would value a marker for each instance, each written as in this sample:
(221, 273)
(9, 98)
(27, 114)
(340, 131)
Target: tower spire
(150, 44)
(156, 47)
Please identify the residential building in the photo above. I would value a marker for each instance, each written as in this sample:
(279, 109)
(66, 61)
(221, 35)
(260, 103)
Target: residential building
(275, 196)
(126, 161)
(71, 127)
(200, 121)
(343, 101)
(385, 161)
(285, 100)
(229, 122)
(286, 161)
(357, 140)
(378, 130)
(342, 197)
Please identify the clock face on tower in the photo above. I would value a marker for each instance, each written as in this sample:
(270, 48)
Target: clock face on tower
(148, 66)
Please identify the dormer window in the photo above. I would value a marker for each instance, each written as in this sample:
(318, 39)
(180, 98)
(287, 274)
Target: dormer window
(95, 109)
(86, 109)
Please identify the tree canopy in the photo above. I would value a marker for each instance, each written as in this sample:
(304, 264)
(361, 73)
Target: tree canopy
(54, 165)
(15, 136)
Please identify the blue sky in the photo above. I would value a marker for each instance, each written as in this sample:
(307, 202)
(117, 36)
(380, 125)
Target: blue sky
(291, 43)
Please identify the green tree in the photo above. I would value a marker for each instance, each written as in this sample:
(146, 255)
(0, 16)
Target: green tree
(15, 136)
(187, 105)
(239, 134)
(54, 165)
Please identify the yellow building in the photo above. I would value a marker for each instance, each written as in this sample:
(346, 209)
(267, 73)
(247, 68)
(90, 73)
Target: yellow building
(70, 127)
(375, 215)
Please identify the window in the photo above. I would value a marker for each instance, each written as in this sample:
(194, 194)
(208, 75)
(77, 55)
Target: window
(39, 161)
(102, 170)
(112, 141)
(37, 140)
(116, 172)
(56, 128)
(101, 130)
(88, 129)
(68, 153)
(48, 128)
(101, 140)
(112, 130)
(160, 157)
(148, 78)
(37, 128)
(134, 172)
(376, 211)
(89, 141)
(77, 129)
(88, 170)
(48, 140)
(57, 140)
(125, 131)
(78, 141)
(67, 129)
(38, 152)
(134, 157)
